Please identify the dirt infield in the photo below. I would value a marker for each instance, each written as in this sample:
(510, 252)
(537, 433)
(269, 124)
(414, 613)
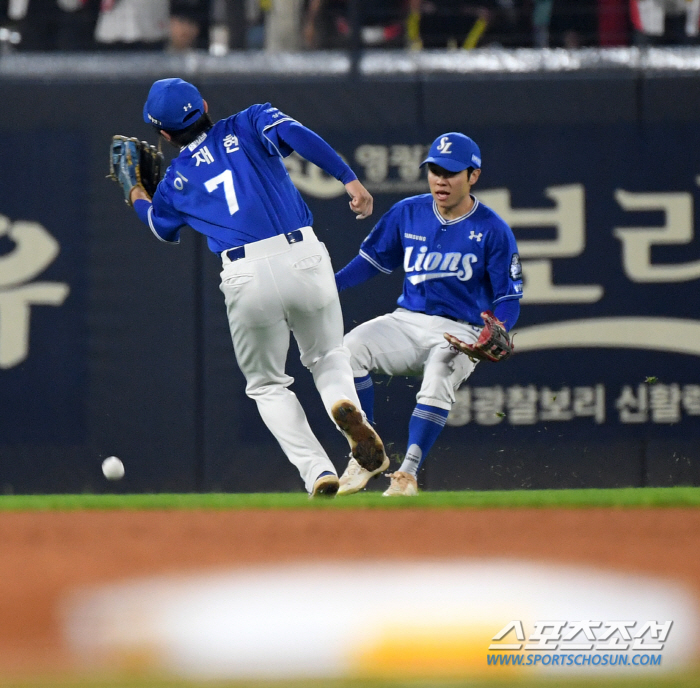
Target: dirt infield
(44, 555)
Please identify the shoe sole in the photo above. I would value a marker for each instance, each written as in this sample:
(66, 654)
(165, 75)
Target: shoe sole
(370, 475)
(326, 487)
(367, 449)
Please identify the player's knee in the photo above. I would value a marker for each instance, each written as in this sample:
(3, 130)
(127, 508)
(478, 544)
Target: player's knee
(439, 399)
(359, 353)
(335, 358)
(258, 389)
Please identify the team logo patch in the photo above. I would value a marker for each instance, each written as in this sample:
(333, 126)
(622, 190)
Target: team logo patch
(516, 270)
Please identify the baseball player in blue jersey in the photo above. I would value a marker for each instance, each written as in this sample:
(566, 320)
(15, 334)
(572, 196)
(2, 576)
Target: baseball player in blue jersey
(229, 183)
(460, 260)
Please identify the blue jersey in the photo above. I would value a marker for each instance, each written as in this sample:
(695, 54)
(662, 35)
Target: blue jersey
(231, 184)
(455, 268)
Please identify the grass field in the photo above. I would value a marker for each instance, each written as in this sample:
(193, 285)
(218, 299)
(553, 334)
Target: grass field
(629, 497)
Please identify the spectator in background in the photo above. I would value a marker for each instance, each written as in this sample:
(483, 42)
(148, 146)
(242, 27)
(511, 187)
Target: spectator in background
(189, 24)
(283, 25)
(565, 23)
(252, 14)
(230, 24)
(328, 24)
(665, 22)
(133, 25)
(613, 22)
(467, 24)
(52, 24)
(574, 24)
(238, 24)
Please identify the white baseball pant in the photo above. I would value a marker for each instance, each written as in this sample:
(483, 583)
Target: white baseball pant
(408, 343)
(276, 289)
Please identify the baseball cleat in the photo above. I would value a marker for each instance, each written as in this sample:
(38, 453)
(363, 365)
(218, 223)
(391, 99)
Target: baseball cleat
(326, 485)
(402, 485)
(366, 447)
(355, 477)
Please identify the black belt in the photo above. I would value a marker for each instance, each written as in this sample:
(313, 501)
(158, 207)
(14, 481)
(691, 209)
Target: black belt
(239, 251)
(457, 320)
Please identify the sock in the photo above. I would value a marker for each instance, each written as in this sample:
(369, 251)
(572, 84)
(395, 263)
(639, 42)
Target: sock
(365, 391)
(423, 429)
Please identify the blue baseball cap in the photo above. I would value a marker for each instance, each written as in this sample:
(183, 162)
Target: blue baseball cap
(173, 104)
(454, 152)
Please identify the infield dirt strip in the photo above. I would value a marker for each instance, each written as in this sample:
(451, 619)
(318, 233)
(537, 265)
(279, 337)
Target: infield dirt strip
(46, 555)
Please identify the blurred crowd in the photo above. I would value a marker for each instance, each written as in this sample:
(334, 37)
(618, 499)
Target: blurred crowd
(219, 26)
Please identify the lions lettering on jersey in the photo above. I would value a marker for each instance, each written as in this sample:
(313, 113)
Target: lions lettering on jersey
(456, 268)
(449, 265)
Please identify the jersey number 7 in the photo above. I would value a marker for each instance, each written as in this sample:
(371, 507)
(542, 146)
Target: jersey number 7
(225, 178)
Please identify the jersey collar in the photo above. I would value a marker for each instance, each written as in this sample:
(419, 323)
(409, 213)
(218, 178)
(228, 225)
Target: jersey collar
(443, 221)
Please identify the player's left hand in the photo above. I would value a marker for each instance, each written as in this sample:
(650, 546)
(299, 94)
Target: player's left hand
(136, 166)
(362, 202)
(494, 343)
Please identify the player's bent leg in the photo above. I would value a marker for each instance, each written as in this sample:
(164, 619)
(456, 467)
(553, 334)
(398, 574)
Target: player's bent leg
(381, 345)
(319, 335)
(261, 355)
(444, 371)
(318, 330)
(384, 345)
(333, 378)
(331, 375)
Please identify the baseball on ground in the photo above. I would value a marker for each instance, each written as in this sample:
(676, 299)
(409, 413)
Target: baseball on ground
(113, 468)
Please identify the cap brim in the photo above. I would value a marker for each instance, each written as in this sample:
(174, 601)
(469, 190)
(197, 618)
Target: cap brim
(449, 164)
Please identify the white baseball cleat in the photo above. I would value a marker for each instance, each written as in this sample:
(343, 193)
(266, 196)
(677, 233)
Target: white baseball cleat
(326, 485)
(402, 485)
(355, 477)
(366, 446)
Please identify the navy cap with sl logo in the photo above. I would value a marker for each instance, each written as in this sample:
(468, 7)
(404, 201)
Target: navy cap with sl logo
(454, 152)
(173, 104)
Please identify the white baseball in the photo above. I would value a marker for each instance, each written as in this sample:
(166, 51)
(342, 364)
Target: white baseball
(113, 468)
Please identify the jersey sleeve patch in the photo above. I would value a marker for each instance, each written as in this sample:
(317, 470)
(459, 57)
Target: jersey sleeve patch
(515, 270)
(264, 119)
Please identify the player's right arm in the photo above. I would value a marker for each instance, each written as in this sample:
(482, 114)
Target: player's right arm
(314, 149)
(282, 134)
